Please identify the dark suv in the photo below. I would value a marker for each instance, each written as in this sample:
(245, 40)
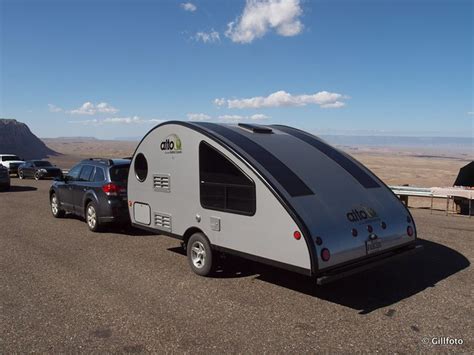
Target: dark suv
(95, 189)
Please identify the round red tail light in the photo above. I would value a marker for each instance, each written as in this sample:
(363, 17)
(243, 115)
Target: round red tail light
(410, 231)
(297, 235)
(325, 254)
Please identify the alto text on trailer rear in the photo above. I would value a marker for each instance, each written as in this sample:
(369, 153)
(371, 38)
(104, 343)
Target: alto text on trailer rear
(274, 194)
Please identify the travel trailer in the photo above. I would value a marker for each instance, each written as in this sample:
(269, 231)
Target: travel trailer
(273, 194)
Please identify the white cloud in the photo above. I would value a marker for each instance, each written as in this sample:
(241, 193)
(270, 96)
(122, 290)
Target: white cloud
(208, 37)
(260, 16)
(54, 108)
(470, 113)
(88, 108)
(237, 118)
(219, 102)
(188, 6)
(282, 98)
(258, 116)
(93, 122)
(119, 120)
(198, 117)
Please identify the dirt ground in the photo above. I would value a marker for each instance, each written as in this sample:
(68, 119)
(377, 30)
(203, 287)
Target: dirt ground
(64, 289)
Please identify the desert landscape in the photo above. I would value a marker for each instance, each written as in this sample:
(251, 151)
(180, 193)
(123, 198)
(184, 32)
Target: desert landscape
(415, 166)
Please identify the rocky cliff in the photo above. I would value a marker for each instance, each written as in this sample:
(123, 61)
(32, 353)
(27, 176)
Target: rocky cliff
(16, 138)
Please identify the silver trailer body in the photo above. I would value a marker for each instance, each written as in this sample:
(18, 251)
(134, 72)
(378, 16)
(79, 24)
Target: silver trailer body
(316, 210)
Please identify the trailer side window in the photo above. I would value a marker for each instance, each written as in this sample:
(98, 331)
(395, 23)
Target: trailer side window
(223, 186)
(141, 167)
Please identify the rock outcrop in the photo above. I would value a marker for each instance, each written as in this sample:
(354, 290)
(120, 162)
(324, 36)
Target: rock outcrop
(16, 138)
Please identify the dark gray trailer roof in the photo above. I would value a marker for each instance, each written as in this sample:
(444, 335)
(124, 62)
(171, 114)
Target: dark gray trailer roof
(254, 143)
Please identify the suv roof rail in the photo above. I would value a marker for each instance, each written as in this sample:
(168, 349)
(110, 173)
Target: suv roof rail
(107, 161)
(127, 158)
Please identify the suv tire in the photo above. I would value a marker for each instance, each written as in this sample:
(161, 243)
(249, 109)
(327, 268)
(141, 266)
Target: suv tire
(92, 217)
(55, 206)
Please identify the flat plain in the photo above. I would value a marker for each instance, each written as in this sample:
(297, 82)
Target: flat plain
(65, 289)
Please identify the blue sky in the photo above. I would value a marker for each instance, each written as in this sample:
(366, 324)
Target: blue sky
(116, 68)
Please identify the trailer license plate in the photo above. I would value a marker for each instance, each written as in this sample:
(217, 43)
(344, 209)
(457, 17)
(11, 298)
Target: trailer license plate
(373, 245)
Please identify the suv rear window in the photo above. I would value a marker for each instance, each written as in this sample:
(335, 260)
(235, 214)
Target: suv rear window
(119, 173)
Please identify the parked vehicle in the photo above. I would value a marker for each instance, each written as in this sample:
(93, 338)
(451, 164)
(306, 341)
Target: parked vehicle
(95, 189)
(274, 194)
(38, 169)
(11, 162)
(4, 178)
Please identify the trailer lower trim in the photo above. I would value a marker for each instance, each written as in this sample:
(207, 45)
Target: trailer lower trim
(259, 259)
(357, 267)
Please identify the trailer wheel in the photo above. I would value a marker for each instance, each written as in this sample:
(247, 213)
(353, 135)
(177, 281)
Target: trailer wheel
(200, 255)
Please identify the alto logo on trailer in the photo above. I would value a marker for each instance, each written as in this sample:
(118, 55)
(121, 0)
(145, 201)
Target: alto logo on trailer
(361, 214)
(172, 144)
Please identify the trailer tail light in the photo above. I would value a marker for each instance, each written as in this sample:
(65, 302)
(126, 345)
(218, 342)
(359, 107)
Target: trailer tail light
(297, 235)
(410, 231)
(112, 189)
(354, 232)
(325, 254)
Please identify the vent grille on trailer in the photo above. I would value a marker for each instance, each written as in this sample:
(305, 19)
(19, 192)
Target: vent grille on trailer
(163, 221)
(161, 182)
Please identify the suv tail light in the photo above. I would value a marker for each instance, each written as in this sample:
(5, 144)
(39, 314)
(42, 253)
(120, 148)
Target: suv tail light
(111, 189)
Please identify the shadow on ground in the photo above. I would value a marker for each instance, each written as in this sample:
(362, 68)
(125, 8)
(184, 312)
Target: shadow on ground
(365, 292)
(15, 188)
(123, 229)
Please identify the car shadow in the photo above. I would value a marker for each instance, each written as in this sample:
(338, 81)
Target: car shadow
(123, 229)
(17, 188)
(367, 291)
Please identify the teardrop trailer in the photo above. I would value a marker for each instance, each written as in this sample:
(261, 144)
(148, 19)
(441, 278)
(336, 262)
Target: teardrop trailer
(272, 194)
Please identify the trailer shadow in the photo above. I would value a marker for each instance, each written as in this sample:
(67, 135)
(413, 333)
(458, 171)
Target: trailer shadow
(365, 292)
(380, 287)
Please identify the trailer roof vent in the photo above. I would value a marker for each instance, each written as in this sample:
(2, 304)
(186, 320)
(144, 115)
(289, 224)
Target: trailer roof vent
(255, 128)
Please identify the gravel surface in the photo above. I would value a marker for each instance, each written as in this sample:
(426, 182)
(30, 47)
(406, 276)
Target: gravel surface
(65, 289)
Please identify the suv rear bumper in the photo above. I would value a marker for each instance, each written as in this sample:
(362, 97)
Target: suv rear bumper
(114, 211)
(359, 266)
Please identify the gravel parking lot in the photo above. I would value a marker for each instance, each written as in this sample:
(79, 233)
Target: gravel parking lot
(65, 289)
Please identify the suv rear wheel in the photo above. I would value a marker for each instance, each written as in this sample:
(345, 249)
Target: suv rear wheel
(92, 217)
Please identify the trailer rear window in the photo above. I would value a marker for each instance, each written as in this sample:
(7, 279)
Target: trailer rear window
(223, 186)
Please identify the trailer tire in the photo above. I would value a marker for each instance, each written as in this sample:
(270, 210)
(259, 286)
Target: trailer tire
(200, 254)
